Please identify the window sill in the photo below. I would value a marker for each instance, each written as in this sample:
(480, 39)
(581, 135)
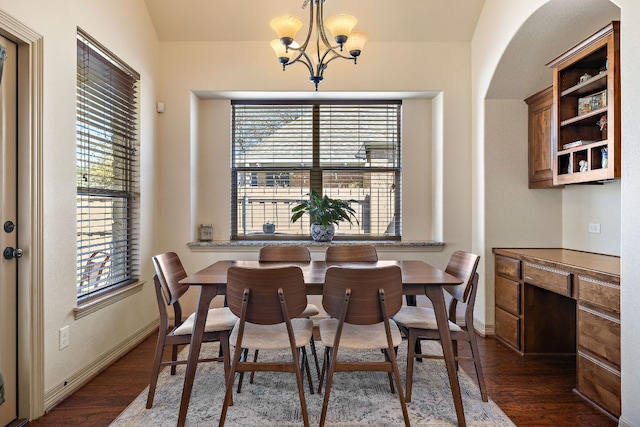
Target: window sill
(225, 245)
(96, 304)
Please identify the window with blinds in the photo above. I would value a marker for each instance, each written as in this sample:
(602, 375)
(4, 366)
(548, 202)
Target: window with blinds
(346, 150)
(107, 170)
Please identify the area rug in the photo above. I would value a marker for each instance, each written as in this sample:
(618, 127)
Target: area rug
(357, 399)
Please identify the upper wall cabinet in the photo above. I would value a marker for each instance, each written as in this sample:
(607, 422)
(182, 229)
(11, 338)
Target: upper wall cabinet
(585, 140)
(540, 157)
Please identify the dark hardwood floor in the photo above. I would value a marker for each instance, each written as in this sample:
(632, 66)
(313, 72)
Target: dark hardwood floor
(532, 391)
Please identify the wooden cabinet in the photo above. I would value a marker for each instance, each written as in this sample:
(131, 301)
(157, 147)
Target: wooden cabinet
(586, 106)
(540, 139)
(559, 301)
(599, 341)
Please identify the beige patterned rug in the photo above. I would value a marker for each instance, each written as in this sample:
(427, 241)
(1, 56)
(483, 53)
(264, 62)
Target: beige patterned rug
(357, 399)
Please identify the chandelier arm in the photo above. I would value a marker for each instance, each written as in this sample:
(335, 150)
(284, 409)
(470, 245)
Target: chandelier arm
(322, 34)
(303, 58)
(323, 66)
(303, 46)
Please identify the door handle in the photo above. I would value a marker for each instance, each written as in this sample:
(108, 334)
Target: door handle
(10, 253)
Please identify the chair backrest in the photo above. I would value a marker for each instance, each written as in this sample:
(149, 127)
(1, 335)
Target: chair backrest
(364, 283)
(170, 271)
(284, 253)
(462, 265)
(263, 305)
(163, 303)
(353, 253)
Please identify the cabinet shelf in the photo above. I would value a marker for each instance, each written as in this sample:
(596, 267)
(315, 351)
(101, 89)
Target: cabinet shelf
(590, 118)
(594, 84)
(586, 79)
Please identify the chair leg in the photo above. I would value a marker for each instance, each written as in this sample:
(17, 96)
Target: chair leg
(229, 385)
(155, 371)
(386, 358)
(327, 391)
(411, 352)
(255, 359)
(325, 365)
(305, 366)
(396, 374)
(299, 380)
(244, 357)
(315, 355)
(174, 357)
(224, 352)
(476, 361)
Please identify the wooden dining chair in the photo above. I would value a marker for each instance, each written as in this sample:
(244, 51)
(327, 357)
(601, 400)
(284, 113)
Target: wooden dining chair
(361, 302)
(268, 302)
(351, 253)
(290, 254)
(419, 323)
(220, 321)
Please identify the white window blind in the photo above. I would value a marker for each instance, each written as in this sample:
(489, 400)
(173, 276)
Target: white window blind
(280, 151)
(107, 170)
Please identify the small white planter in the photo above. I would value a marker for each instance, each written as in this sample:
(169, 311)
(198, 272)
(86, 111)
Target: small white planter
(321, 233)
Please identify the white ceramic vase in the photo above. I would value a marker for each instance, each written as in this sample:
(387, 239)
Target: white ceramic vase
(321, 233)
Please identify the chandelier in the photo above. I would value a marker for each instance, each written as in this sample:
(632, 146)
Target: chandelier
(317, 52)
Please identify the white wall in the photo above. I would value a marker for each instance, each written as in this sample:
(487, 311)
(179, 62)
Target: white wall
(594, 204)
(514, 215)
(135, 43)
(630, 201)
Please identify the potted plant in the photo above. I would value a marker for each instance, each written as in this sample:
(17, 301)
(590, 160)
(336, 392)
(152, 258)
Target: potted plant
(324, 213)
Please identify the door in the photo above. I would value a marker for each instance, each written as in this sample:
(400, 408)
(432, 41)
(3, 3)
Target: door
(8, 230)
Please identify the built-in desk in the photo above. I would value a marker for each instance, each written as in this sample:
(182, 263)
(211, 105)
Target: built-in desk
(560, 301)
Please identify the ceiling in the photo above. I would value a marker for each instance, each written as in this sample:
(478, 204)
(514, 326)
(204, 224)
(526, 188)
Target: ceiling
(248, 20)
(520, 72)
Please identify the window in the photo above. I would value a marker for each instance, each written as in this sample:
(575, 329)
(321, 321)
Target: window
(280, 151)
(107, 170)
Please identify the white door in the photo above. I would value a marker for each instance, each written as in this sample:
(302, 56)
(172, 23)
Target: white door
(9, 230)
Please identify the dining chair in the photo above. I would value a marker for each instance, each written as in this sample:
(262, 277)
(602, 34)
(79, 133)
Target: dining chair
(361, 302)
(220, 321)
(268, 301)
(419, 323)
(351, 253)
(290, 254)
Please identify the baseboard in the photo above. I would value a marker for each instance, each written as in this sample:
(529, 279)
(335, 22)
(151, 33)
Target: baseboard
(624, 423)
(61, 391)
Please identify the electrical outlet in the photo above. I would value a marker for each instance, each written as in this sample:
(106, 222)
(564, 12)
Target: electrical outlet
(64, 337)
(594, 228)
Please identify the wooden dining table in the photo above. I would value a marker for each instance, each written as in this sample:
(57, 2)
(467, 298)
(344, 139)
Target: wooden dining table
(418, 278)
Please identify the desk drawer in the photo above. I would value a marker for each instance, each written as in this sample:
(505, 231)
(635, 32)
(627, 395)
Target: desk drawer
(552, 279)
(508, 267)
(605, 295)
(508, 295)
(599, 334)
(508, 327)
(600, 383)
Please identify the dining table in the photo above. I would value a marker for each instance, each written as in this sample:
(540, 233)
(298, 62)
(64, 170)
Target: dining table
(418, 278)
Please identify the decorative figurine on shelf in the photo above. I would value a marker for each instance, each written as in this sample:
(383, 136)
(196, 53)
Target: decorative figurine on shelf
(583, 165)
(605, 157)
(602, 123)
(585, 77)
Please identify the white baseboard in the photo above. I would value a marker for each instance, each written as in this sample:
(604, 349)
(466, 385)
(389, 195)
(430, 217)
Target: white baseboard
(624, 423)
(61, 391)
